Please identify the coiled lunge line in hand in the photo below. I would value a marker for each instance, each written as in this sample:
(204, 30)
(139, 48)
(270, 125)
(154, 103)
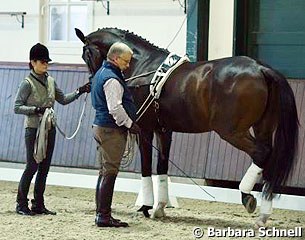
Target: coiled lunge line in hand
(47, 121)
(130, 150)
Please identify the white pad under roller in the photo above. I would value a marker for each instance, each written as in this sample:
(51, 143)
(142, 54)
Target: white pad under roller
(252, 175)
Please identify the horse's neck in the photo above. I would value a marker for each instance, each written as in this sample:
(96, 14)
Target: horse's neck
(147, 57)
(148, 61)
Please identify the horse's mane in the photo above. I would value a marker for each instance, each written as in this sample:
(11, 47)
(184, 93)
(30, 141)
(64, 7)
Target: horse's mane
(132, 36)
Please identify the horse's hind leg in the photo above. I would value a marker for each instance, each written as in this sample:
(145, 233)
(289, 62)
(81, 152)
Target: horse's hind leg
(164, 142)
(258, 152)
(263, 132)
(147, 193)
(265, 210)
(246, 185)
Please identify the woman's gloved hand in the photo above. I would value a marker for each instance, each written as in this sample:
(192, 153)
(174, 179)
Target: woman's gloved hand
(40, 110)
(85, 88)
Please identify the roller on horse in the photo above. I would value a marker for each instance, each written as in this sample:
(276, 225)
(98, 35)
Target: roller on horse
(229, 96)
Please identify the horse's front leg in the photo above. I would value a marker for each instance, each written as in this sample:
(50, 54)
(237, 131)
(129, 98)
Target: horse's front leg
(164, 143)
(145, 145)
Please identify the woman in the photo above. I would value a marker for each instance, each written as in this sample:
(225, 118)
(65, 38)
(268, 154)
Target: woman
(36, 93)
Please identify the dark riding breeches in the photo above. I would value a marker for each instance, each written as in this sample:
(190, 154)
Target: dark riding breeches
(32, 167)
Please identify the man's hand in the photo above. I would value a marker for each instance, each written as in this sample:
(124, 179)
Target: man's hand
(85, 88)
(135, 129)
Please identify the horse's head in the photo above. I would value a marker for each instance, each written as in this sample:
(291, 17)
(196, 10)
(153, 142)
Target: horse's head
(96, 47)
(146, 56)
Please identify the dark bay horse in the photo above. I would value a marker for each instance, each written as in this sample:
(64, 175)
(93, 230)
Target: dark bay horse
(229, 96)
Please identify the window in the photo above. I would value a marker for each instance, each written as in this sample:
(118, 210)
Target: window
(64, 16)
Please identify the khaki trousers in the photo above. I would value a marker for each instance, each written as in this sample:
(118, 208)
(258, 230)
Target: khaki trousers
(111, 143)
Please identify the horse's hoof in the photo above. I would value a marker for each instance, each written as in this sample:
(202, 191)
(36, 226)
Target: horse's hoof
(159, 211)
(145, 209)
(251, 205)
(261, 221)
(249, 202)
(258, 224)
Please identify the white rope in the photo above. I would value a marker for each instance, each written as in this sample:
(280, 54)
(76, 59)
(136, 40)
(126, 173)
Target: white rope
(140, 75)
(138, 118)
(79, 122)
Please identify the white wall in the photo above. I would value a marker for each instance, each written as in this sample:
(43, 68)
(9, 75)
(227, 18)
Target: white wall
(221, 29)
(158, 21)
(15, 41)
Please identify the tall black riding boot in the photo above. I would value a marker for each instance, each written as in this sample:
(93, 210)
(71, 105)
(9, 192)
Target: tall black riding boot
(40, 208)
(104, 194)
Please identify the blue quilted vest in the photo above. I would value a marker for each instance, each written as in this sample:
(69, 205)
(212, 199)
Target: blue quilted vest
(98, 97)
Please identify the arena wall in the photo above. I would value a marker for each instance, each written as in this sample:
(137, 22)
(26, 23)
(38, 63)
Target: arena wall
(203, 156)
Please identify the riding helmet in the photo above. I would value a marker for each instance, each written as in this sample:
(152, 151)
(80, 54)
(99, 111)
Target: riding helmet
(39, 52)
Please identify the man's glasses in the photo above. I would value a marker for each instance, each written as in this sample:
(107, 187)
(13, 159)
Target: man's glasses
(126, 61)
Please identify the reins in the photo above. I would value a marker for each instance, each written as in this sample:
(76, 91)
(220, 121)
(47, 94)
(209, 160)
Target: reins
(140, 75)
(139, 113)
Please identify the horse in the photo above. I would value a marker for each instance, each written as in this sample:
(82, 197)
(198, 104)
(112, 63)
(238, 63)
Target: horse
(249, 104)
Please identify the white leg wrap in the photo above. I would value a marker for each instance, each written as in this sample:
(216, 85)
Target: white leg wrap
(147, 191)
(162, 188)
(252, 175)
(266, 206)
(162, 183)
(265, 213)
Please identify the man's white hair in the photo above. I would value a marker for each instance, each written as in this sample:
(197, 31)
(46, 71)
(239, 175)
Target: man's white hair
(117, 49)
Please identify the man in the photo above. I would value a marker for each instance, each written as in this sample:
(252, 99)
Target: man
(115, 114)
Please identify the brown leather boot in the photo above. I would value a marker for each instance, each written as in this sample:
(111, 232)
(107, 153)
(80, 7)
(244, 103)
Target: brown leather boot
(104, 194)
(97, 189)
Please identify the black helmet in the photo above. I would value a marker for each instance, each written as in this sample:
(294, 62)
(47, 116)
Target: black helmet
(39, 52)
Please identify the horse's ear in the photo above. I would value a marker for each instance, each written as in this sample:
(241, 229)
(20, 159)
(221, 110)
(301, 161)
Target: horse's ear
(80, 35)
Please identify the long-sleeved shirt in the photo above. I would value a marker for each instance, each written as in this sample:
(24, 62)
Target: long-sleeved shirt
(114, 93)
(25, 90)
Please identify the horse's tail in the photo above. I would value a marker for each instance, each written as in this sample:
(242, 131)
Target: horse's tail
(283, 157)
